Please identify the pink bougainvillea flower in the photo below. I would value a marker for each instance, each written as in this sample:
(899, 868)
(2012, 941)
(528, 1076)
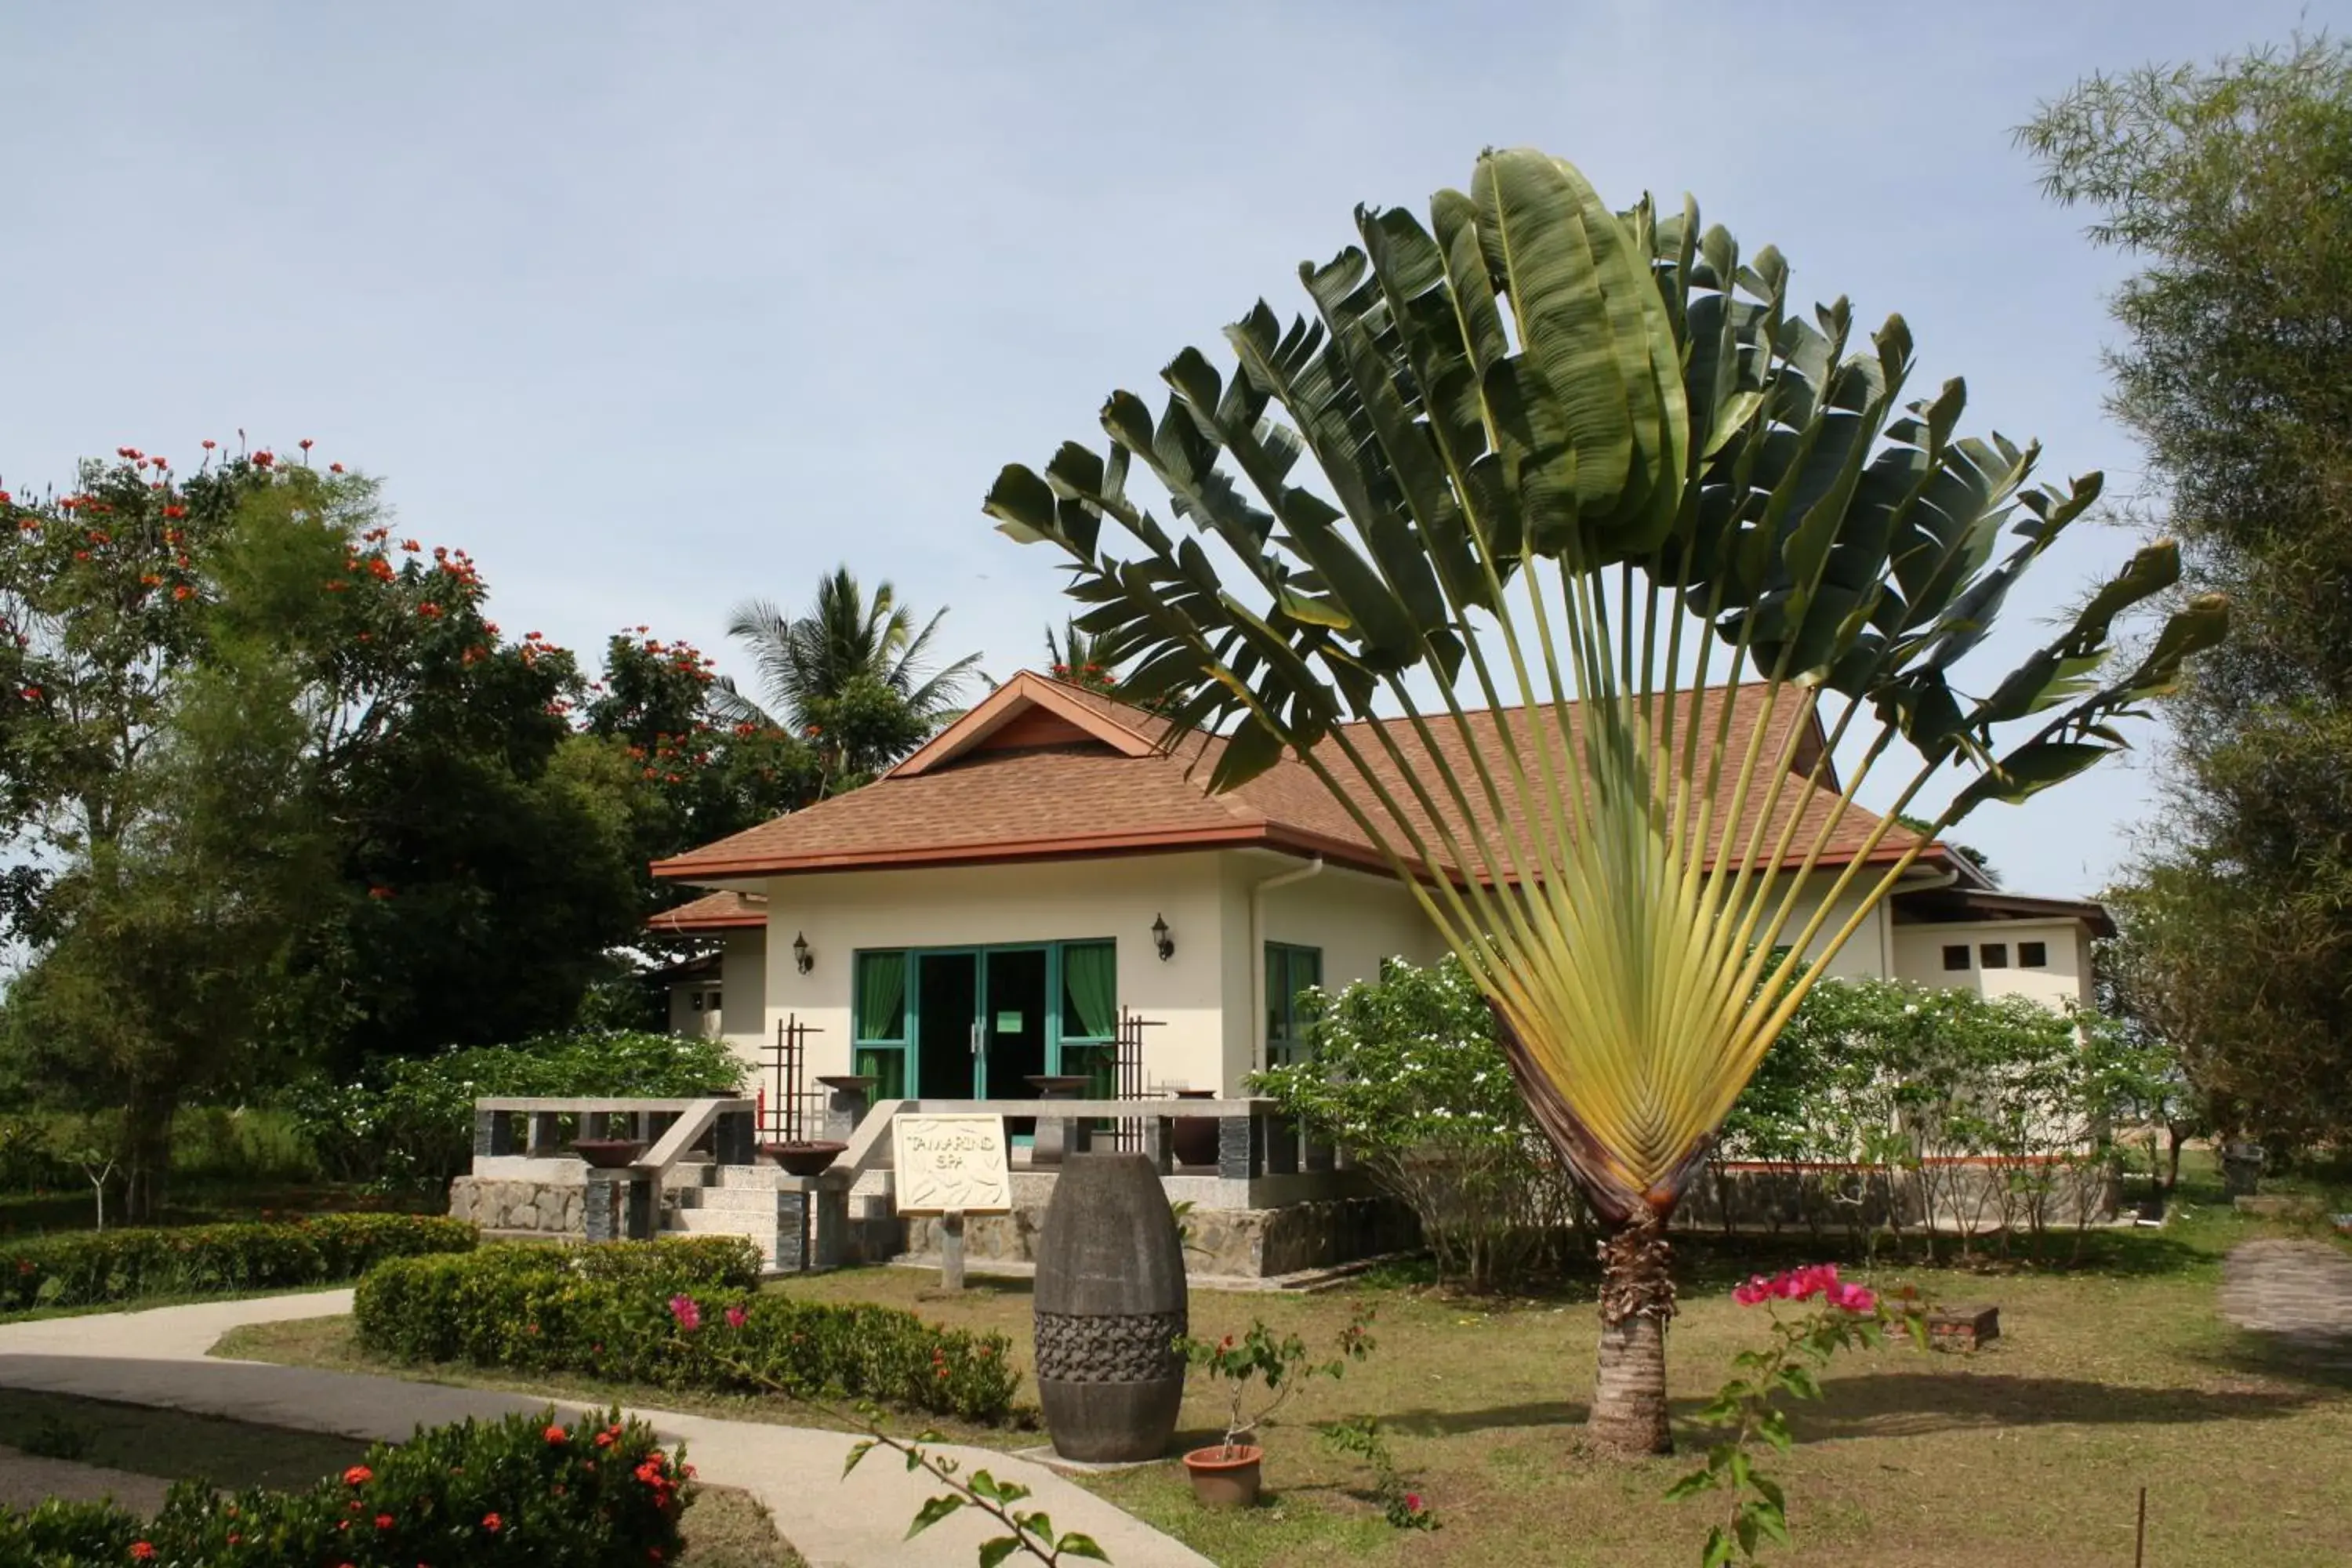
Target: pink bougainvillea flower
(736, 1315)
(689, 1315)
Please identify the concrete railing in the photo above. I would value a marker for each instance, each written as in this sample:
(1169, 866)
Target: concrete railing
(1254, 1139)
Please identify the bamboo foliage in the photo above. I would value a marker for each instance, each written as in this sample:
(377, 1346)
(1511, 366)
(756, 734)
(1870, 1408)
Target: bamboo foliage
(1503, 541)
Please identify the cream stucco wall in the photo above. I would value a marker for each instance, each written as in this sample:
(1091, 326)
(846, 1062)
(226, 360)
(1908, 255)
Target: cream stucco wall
(1354, 918)
(957, 906)
(2064, 982)
(743, 957)
(1206, 999)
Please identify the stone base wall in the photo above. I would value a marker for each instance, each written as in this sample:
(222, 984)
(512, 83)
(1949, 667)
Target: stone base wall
(1244, 1244)
(547, 1208)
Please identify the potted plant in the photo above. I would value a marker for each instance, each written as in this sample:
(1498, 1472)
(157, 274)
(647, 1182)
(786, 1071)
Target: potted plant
(1227, 1474)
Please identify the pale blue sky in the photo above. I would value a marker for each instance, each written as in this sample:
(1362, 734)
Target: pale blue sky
(656, 307)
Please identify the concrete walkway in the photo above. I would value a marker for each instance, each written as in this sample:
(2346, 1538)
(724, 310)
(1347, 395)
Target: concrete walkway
(2297, 1292)
(160, 1358)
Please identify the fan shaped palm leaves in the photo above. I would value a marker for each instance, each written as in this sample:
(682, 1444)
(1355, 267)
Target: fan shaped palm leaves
(854, 667)
(1554, 493)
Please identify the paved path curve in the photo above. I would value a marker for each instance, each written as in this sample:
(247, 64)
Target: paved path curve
(2300, 1291)
(160, 1358)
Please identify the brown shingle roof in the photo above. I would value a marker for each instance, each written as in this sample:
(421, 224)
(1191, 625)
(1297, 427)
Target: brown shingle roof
(712, 911)
(960, 800)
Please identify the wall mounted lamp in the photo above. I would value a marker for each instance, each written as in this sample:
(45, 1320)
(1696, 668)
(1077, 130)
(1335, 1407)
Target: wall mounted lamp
(802, 959)
(1162, 940)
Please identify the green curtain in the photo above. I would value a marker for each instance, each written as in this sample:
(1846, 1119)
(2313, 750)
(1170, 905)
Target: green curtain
(887, 1066)
(1090, 982)
(881, 996)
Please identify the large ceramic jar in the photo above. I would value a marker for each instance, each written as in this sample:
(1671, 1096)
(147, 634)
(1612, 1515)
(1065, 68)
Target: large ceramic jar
(1111, 1301)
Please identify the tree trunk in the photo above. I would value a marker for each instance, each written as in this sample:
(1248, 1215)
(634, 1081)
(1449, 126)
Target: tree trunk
(146, 1155)
(1637, 1298)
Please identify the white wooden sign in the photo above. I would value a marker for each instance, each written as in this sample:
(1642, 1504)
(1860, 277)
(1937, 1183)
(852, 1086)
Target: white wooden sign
(953, 1163)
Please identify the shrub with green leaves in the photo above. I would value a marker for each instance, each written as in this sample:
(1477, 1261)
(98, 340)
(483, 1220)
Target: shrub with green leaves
(92, 1268)
(1405, 1073)
(570, 1309)
(408, 1124)
(600, 1493)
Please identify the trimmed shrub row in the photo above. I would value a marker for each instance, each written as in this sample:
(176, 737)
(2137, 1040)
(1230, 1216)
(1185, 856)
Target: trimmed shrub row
(599, 1493)
(572, 1310)
(90, 1268)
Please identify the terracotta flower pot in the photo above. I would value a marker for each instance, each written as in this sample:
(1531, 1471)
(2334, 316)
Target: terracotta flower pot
(1196, 1136)
(1225, 1478)
(609, 1153)
(805, 1159)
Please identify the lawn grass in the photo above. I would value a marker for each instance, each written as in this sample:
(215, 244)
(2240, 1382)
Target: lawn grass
(724, 1527)
(2112, 1376)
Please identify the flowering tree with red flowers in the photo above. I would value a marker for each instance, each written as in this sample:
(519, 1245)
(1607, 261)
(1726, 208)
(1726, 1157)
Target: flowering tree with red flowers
(411, 854)
(706, 770)
(101, 592)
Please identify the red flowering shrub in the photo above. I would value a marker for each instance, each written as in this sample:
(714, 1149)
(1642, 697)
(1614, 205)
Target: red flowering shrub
(599, 1493)
(643, 1317)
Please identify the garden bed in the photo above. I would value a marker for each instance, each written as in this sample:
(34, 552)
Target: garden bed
(2027, 1453)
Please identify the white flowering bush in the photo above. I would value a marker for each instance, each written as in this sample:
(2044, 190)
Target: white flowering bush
(1404, 1073)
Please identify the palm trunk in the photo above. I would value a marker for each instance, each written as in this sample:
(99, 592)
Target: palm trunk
(1637, 1298)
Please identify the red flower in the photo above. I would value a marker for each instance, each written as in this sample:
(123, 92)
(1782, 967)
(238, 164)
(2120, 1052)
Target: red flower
(176, 511)
(140, 1551)
(493, 1523)
(304, 443)
(384, 1522)
(376, 892)
(411, 546)
(1412, 1502)
(181, 592)
(208, 445)
(603, 1439)
(429, 610)
(735, 1315)
(32, 694)
(556, 1435)
(263, 460)
(334, 467)
(358, 1475)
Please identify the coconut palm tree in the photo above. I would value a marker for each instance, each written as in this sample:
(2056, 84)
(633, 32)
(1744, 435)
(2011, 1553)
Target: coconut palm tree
(1575, 475)
(852, 674)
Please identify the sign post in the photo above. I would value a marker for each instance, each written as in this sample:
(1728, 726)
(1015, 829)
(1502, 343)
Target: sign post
(951, 1165)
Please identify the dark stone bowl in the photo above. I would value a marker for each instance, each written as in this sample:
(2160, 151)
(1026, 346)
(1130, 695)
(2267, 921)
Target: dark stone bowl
(609, 1153)
(805, 1159)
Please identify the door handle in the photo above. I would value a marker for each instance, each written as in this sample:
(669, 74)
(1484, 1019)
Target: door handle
(976, 1037)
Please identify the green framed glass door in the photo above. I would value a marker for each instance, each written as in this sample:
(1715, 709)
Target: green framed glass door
(977, 1023)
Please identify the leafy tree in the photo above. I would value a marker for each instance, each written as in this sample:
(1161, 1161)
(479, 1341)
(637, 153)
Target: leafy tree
(2230, 186)
(1587, 457)
(99, 608)
(178, 928)
(704, 773)
(852, 675)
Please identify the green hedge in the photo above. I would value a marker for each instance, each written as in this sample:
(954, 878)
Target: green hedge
(599, 1493)
(550, 1309)
(409, 1124)
(92, 1268)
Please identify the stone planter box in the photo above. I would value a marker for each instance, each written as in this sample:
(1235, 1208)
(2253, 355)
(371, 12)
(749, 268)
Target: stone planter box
(1963, 1328)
